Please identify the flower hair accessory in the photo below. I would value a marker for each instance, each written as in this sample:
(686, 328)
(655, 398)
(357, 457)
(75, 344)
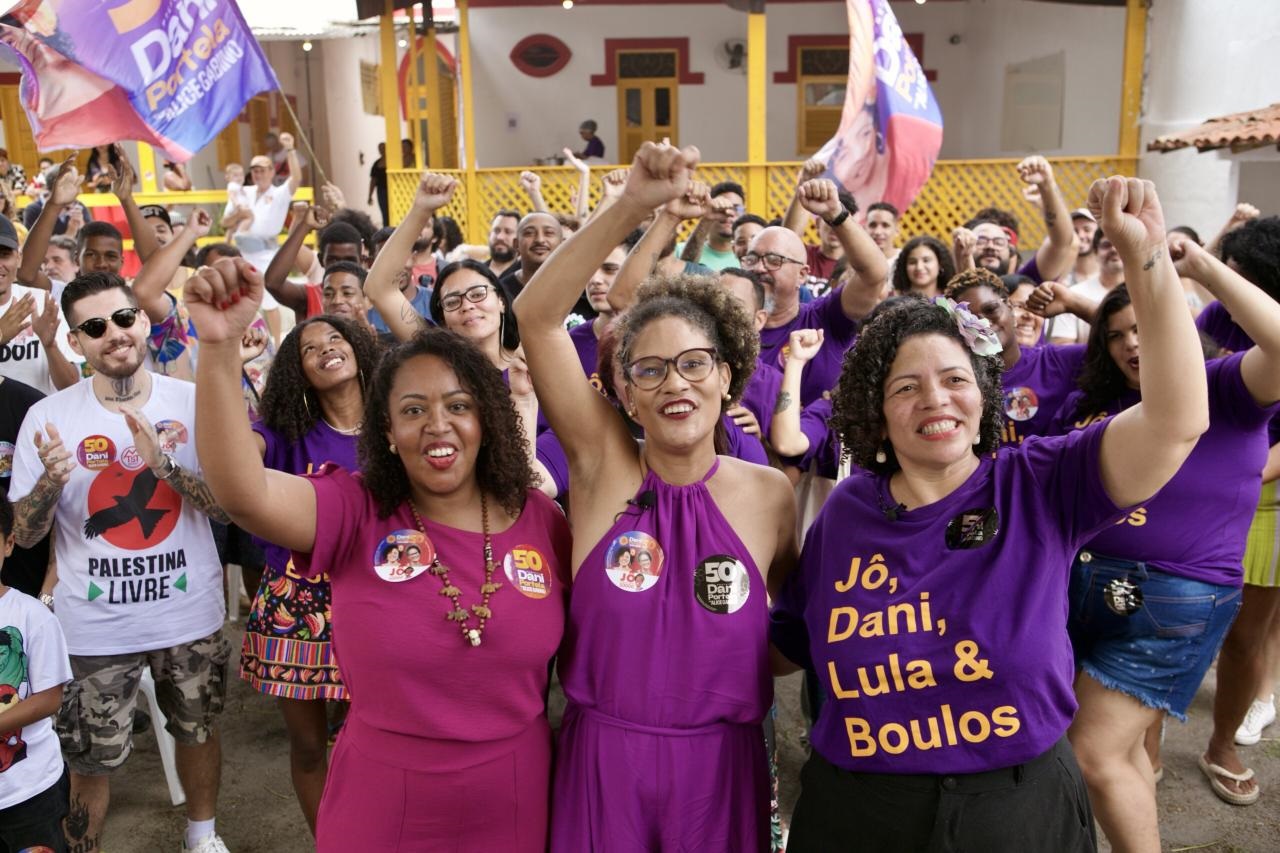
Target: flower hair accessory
(975, 330)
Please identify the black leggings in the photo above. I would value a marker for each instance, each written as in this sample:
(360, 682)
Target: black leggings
(1038, 807)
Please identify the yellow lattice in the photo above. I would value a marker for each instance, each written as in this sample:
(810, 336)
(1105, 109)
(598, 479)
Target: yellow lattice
(956, 190)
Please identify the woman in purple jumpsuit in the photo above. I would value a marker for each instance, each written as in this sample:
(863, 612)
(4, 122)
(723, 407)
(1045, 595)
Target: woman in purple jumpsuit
(665, 659)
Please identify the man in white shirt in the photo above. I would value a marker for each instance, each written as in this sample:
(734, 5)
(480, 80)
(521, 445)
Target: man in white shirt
(30, 328)
(112, 462)
(257, 221)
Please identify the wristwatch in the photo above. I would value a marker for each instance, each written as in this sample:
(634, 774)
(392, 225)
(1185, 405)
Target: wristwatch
(839, 220)
(167, 469)
(46, 599)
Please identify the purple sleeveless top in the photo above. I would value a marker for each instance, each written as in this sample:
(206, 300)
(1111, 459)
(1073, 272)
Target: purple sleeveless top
(668, 623)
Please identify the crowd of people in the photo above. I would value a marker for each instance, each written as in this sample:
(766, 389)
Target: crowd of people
(1003, 505)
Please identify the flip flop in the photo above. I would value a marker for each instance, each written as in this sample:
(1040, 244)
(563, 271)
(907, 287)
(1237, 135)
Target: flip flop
(1213, 771)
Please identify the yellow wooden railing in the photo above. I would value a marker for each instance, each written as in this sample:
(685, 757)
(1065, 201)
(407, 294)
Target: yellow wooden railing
(956, 190)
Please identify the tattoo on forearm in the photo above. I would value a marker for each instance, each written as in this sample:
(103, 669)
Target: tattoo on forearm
(784, 402)
(33, 515)
(196, 492)
(1151, 261)
(410, 315)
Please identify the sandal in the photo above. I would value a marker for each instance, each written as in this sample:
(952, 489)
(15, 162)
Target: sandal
(1212, 772)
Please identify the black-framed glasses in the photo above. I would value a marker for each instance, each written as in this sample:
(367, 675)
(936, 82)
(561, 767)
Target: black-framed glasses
(475, 293)
(651, 371)
(770, 261)
(96, 327)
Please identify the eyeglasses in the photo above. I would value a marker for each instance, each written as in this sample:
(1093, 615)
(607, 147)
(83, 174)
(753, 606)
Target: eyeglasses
(96, 327)
(475, 293)
(997, 242)
(651, 371)
(769, 261)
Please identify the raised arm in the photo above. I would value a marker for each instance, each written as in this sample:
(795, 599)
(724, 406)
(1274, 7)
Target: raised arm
(1144, 446)
(122, 178)
(1256, 313)
(66, 185)
(963, 244)
(796, 218)
(63, 373)
(155, 275)
(291, 157)
(784, 432)
(1243, 213)
(531, 183)
(583, 199)
(223, 301)
(1058, 252)
(584, 421)
(305, 220)
(434, 192)
(862, 292)
(611, 186)
(643, 259)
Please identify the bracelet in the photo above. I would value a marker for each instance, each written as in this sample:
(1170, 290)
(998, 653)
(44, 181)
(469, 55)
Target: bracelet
(46, 599)
(839, 220)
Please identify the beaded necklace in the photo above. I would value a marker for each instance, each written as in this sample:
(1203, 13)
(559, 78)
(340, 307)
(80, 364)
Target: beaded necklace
(458, 614)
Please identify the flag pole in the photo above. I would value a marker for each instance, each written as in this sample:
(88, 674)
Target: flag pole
(302, 135)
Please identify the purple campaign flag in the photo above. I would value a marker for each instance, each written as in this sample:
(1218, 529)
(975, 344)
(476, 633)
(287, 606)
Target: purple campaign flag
(172, 73)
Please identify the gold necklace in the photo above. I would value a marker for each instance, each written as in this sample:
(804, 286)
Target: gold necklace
(458, 614)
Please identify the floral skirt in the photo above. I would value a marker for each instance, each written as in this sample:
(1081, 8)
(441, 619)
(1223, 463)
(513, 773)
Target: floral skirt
(287, 650)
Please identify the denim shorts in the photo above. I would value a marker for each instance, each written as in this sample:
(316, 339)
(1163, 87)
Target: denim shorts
(1159, 653)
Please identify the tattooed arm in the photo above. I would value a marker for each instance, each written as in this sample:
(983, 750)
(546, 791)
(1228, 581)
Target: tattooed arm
(1058, 252)
(784, 432)
(33, 515)
(194, 491)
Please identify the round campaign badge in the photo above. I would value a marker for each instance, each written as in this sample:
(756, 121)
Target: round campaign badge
(6, 459)
(403, 555)
(634, 561)
(527, 571)
(96, 452)
(171, 433)
(131, 459)
(1021, 403)
(722, 584)
(1123, 597)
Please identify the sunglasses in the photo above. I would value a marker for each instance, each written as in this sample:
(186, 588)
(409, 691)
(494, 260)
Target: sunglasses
(96, 327)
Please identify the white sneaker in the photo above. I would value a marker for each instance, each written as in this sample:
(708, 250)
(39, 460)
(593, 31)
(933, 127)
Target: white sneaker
(209, 844)
(1261, 715)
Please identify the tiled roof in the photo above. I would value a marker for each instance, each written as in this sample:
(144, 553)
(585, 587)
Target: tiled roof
(1238, 131)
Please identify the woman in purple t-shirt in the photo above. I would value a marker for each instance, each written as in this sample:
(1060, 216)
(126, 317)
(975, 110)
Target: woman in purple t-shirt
(1153, 596)
(446, 658)
(932, 591)
(310, 413)
(660, 750)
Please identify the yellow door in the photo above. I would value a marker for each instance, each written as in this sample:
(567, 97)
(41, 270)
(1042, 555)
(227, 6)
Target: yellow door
(647, 100)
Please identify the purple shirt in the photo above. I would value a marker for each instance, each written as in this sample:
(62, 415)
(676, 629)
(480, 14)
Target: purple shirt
(761, 394)
(1196, 526)
(588, 347)
(822, 373)
(1035, 388)
(1215, 321)
(322, 444)
(940, 636)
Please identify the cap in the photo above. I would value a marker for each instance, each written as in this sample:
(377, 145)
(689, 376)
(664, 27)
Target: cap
(8, 234)
(155, 210)
(261, 160)
(1082, 213)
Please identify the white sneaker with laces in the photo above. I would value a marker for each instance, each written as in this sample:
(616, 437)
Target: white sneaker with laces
(209, 844)
(1261, 714)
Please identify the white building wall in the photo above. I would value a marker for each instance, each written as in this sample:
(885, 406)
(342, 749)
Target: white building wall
(1206, 59)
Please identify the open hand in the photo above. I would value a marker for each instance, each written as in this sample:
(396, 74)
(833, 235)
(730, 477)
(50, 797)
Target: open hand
(55, 457)
(66, 183)
(45, 324)
(15, 317)
(145, 439)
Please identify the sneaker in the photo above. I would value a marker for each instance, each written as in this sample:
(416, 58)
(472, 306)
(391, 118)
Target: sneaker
(1261, 715)
(209, 844)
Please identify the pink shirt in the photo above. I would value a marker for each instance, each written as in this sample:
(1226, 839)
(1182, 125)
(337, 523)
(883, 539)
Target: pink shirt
(410, 672)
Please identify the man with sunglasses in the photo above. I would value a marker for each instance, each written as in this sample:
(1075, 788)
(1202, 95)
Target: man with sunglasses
(112, 462)
(777, 255)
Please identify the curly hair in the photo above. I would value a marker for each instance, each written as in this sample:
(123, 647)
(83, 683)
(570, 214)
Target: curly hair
(996, 216)
(705, 304)
(502, 468)
(289, 404)
(946, 266)
(1255, 249)
(858, 401)
(1101, 379)
(976, 277)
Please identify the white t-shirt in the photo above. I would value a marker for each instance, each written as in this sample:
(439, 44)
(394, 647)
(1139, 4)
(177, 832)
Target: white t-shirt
(23, 358)
(269, 209)
(33, 657)
(137, 567)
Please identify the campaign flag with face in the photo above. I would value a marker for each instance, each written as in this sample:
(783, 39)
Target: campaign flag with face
(171, 73)
(891, 127)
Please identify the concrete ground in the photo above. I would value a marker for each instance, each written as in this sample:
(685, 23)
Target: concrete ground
(258, 814)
